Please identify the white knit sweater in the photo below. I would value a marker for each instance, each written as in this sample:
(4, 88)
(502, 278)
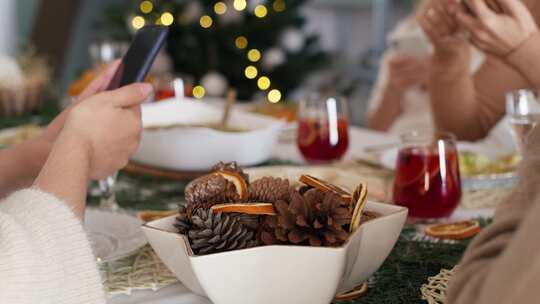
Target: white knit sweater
(45, 256)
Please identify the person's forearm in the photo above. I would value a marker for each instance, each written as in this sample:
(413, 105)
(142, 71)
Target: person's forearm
(525, 60)
(21, 164)
(66, 173)
(382, 118)
(452, 95)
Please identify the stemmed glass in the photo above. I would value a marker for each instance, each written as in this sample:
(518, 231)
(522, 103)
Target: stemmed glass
(523, 111)
(108, 197)
(323, 128)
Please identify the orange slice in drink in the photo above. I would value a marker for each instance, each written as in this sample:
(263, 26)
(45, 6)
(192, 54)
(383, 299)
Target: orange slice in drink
(454, 231)
(251, 208)
(325, 186)
(307, 133)
(238, 181)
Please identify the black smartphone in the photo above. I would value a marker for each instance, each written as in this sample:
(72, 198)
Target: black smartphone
(140, 56)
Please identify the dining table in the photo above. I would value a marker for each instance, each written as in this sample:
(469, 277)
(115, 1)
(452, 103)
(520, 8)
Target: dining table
(364, 144)
(405, 275)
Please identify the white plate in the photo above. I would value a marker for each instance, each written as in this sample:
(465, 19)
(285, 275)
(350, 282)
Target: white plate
(113, 235)
(389, 157)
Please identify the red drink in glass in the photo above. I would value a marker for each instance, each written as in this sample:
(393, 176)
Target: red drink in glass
(427, 178)
(323, 129)
(318, 143)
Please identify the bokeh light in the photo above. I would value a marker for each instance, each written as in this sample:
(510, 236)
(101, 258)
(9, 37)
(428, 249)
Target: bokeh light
(137, 22)
(146, 7)
(199, 92)
(206, 21)
(166, 18)
(240, 5)
(261, 11)
(264, 83)
(241, 42)
(220, 8)
(251, 72)
(279, 6)
(254, 55)
(274, 96)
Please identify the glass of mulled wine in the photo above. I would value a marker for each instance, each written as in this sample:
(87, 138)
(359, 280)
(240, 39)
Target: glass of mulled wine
(427, 177)
(323, 129)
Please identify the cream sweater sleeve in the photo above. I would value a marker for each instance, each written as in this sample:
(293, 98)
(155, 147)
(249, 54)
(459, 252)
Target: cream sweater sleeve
(45, 256)
(502, 265)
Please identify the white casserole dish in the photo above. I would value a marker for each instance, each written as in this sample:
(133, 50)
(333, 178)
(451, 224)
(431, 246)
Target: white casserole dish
(199, 148)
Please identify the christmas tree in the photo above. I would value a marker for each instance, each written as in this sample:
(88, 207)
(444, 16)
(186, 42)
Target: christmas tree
(254, 46)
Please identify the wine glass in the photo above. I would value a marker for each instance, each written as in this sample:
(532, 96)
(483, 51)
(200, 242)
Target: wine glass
(108, 197)
(523, 111)
(323, 129)
(427, 177)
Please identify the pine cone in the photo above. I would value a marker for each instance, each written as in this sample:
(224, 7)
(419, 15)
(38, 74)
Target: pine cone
(269, 190)
(183, 223)
(315, 219)
(212, 233)
(211, 188)
(231, 167)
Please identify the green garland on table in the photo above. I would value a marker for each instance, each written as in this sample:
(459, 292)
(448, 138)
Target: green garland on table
(409, 265)
(137, 192)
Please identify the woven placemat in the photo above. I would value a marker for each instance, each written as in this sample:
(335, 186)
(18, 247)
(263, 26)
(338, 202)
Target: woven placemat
(434, 292)
(141, 271)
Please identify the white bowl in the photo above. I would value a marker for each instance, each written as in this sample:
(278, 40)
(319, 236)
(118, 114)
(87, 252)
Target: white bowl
(280, 274)
(198, 148)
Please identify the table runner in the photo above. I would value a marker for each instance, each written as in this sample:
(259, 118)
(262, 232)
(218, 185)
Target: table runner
(413, 260)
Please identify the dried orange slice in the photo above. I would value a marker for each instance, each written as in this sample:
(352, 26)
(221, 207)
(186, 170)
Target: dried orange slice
(454, 231)
(238, 181)
(251, 208)
(359, 199)
(325, 187)
(150, 215)
(354, 294)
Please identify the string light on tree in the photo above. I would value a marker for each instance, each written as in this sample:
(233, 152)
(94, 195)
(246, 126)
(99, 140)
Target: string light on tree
(254, 55)
(274, 96)
(279, 6)
(166, 19)
(220, 8)
(146, 7)
(241, 42)
(261, 11)
(198, 92)
(206, 21)
(251, 72)
(268, 46)
(264, 83)
(137, 22)
(239, 5)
